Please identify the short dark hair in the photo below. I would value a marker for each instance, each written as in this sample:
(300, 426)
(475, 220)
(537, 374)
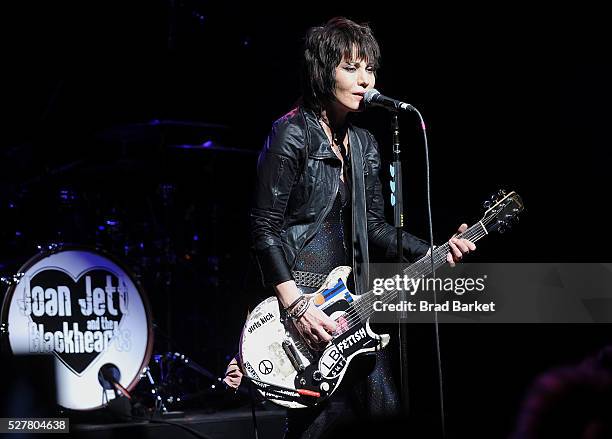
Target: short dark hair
(324, 48)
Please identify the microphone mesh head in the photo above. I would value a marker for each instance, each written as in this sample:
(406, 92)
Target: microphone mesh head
(369, 95)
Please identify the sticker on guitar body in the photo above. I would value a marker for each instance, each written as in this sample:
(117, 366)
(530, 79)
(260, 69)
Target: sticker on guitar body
(349, 340)
(259, 323)
(332, 362)
(251, 370)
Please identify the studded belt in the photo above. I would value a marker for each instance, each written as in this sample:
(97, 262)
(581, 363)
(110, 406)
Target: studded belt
(308, 279)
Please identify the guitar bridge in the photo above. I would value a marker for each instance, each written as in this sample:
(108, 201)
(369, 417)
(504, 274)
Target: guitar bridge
(293, 355)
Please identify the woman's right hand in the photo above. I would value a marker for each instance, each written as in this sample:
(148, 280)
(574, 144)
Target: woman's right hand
(315, 327)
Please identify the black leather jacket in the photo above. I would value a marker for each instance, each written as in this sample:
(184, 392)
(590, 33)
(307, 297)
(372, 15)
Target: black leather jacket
(297, 180)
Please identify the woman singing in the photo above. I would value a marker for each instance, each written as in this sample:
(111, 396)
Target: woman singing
(318, 205)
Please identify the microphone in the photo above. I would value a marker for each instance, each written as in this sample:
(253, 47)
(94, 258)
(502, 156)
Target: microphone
(109, 376)
(373, 98)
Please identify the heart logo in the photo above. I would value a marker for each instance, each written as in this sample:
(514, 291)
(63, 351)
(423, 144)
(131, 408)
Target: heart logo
(76, 320)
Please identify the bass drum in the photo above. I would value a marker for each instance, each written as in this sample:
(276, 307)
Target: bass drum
(82, 306)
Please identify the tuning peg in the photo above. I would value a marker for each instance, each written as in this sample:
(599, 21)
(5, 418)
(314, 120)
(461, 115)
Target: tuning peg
(501, 193)
(486, 205)
(501, 226)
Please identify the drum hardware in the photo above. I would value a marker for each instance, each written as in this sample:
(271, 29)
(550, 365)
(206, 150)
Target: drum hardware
(5, 348)
(172, 380)
(159, 406)
(12, 280)
(50, 248)
(166, 192)
(67, 197)
(152, 396)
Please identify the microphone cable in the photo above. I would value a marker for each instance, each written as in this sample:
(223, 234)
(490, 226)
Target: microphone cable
(433, 274)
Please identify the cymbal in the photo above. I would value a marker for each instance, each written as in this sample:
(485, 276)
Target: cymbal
(188, 123)
(154, 129)
(171, 123)
(212, 146)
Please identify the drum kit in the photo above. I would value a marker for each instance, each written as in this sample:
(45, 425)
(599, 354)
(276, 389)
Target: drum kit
(91, 252)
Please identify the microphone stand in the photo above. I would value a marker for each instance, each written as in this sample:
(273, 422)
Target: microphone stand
(398, 217)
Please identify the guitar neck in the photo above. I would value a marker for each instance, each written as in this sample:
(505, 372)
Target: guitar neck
(422, 268)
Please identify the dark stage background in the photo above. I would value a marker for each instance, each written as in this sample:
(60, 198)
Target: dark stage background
(99, 97)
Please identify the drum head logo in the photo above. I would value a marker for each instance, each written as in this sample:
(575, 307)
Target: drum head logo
(86, 310)
(75, 319)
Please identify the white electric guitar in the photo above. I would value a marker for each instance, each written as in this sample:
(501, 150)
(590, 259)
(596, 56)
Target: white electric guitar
(275, 358)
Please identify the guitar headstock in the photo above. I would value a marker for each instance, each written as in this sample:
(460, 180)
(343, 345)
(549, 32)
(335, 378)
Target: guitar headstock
(502, 211)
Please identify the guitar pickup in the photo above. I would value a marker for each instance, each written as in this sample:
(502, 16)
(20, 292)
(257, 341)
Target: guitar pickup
(293, 355)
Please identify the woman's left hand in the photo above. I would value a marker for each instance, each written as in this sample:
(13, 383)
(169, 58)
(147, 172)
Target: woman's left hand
(459, 246)
(233, 374)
